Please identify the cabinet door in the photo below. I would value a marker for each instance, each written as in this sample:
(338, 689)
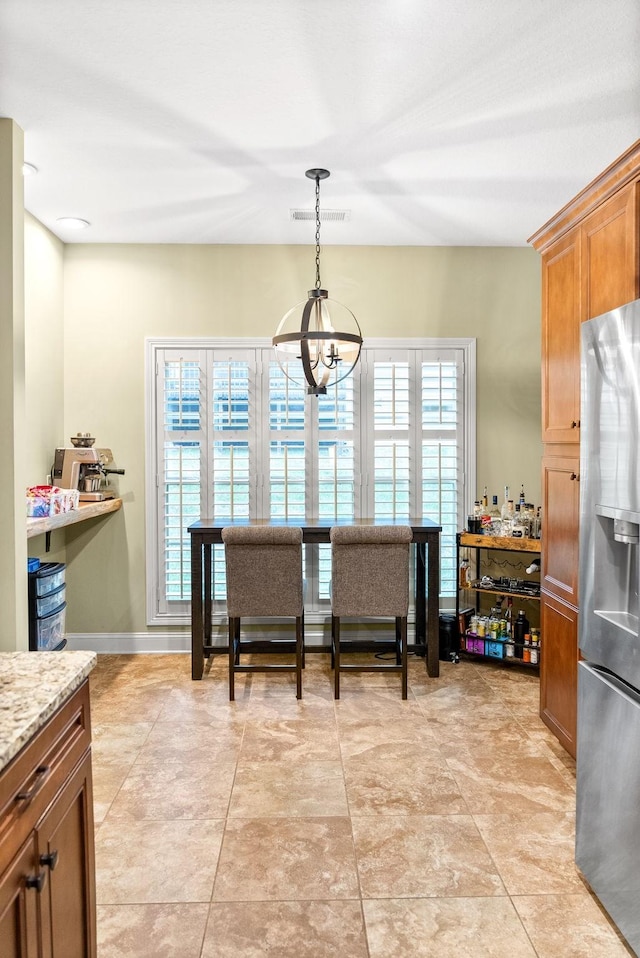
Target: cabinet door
(560, 524)
(558, 670)
(19, 905)
(561, 313)
(66, 851)
(610, 254)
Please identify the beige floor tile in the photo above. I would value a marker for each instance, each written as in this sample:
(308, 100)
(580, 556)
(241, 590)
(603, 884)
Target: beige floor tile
(138, 862)
(371, 703)
(571, 926)
(186, 741)
(453, 705)
(284, 789)
(118, 743)
(295, 859)
(107, 782)
(139, 705)
(398, 787)
(190, 790)
(285, 929)
(533, 853)
(273, 703)
(514, 779)
(290, 741)
(375, 736)
(423, 857)
(201, 704)
(151, 931)
(445, 928)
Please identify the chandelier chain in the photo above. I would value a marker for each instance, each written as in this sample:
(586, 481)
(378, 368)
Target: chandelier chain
(318, 284)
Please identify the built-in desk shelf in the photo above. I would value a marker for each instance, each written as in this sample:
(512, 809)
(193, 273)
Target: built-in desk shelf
(86, 510)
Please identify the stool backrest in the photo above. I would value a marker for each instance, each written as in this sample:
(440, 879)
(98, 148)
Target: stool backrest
(264, 570)
(370, 570)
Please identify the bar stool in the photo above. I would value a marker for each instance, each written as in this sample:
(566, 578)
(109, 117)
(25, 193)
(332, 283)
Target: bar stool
(370, 577)
(264, 578)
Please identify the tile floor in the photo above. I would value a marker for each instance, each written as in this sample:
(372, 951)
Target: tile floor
(368, 828)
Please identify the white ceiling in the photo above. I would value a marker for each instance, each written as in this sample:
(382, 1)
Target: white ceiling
(443, 122)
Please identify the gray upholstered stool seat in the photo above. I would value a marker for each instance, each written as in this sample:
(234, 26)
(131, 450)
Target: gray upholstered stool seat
(264, 578)
(370, 577)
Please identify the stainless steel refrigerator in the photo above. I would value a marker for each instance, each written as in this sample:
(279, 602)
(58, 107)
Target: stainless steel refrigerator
(608, 758)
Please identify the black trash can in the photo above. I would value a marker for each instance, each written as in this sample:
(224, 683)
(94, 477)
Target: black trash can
(449, 637)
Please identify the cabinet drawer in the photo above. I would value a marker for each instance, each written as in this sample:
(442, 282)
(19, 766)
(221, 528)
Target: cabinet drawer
(31, 780)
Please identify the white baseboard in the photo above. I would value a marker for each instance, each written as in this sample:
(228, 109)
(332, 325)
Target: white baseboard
(132, 643)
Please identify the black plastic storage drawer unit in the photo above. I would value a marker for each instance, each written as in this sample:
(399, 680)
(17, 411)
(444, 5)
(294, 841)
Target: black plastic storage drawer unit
(47, 607)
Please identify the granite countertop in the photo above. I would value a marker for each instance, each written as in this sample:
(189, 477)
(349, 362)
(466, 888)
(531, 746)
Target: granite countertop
(33, 685)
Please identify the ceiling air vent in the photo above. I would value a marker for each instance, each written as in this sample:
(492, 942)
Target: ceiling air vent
(326, 216)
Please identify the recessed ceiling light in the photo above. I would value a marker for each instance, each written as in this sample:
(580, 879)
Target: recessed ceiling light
(73, 222)
(28, 169)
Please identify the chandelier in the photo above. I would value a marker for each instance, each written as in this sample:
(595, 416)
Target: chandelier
(319, 341)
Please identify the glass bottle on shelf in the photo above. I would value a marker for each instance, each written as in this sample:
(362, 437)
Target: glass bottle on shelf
(509, 648)
(522, 499)
(535, 647)
(518, 526)
(520, 629)
(535, 525)
(495, 525)
(463, 577)
(526, 516)
(507, 514)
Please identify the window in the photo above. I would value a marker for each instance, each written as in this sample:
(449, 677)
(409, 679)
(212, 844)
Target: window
(229, 435)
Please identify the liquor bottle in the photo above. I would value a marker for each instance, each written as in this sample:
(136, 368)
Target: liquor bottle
(518, 528)
(485, 518)
(522, 496)
(463, 578)
(507, 514)
(526, 515)
(535, 525)
(509, 649)
(520, 629)
(496, 519)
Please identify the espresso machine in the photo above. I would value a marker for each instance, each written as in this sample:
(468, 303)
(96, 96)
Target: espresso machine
(83, 467)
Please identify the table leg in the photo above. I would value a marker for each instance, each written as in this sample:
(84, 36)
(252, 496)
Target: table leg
(207, 588)
(420, 603)
(197, 621)
(433, 606)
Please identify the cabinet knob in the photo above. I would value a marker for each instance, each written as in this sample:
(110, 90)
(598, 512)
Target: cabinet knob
(50, 859)
(36, 881)
(575, 423)
(574, 476)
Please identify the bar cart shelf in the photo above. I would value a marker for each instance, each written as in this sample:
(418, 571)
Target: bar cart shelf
(481, 647)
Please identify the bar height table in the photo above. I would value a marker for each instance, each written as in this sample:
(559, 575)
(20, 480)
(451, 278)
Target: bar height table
(206, 533)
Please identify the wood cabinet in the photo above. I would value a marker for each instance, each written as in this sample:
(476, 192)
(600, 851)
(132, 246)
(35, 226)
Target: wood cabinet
(558, 670)
(560, 507)
(47, 867)
(561, 340)
(590, 264)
